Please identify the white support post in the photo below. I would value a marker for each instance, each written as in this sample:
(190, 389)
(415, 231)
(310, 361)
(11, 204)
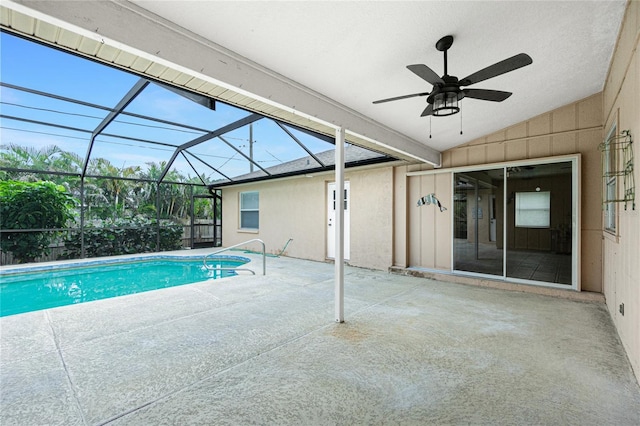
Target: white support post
(339, 223)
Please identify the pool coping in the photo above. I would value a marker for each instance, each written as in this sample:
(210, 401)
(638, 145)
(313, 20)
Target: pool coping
(128, 258)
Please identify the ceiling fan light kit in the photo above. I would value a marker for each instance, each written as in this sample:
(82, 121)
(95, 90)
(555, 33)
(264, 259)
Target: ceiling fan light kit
(447, 92)
(445, 103)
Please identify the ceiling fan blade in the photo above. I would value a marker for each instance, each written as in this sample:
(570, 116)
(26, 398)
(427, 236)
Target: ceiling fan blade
(401, 97)
(425, 73)
(487, 95)
(427, 111)
(513, 63)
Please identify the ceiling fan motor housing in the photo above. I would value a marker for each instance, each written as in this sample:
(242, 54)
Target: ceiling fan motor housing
(444, 98)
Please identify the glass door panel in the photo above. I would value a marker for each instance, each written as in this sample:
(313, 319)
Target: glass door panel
(539, 218)
(478, 222)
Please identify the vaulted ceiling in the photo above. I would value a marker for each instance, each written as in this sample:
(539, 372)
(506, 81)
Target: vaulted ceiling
(356, 52)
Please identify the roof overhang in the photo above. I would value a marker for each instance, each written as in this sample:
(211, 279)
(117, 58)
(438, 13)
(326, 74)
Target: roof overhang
(125, 35)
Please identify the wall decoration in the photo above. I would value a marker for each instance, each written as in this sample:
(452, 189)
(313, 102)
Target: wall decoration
(617, 163)
(431, 199)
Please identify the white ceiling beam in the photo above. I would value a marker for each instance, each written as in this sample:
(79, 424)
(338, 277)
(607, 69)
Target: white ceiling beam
(142, 33)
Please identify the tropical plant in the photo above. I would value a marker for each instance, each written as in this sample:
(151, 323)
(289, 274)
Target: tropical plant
(110, 237)
(111, 194)
(37, 207)
(115, 188)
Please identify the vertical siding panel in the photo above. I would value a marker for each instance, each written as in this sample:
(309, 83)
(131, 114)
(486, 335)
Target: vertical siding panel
(460, 157)
(564, 119)
(400, 217)
(443, 224)
(590, 113)
(477, 154)
(497, 137)
(516, 150)
(563, 144)
(518, 131)
(428, 220)
(540, 125)
(591, 178)
(495, 153)
(446, 159)
(539, 147)
(414, 231)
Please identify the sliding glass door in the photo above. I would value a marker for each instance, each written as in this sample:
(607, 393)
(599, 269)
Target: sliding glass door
(475, 244)
(518, 222)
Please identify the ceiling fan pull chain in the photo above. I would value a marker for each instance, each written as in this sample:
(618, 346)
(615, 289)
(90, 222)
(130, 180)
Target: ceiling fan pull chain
(460, 120)
(429, 127)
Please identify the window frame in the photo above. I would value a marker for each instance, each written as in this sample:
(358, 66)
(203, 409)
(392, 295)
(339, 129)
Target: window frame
(243, 209)
(520, 211)
(610, 184)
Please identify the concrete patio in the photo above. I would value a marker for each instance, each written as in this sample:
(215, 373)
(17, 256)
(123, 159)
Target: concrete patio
(266, 350)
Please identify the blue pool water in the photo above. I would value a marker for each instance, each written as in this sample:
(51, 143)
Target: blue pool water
(52, 286)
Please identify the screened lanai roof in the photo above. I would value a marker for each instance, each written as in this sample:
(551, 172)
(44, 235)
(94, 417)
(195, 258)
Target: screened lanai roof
(63, 113)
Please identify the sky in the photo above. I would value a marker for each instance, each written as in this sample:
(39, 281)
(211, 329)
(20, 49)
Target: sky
(41, 68)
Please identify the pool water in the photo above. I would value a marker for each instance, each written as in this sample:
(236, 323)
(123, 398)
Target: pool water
(60, 286)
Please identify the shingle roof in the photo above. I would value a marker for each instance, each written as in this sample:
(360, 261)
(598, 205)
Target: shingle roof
(352, 155)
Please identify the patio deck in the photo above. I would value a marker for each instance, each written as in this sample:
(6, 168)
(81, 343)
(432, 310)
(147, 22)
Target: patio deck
(265, 350)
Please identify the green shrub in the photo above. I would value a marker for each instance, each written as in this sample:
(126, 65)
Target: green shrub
(32, 205)
(110, 237)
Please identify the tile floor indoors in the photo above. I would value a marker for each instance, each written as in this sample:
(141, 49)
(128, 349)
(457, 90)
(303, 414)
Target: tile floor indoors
(536, 265)
(266, 350)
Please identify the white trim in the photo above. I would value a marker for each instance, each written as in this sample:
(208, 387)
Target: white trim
(576, 223)
(610, 208)
(459, 169)
(241, 210)
(339, 223)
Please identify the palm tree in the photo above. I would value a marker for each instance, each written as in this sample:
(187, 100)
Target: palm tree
(13, 156)
(68, 162)
(174, 197)
(113, 187)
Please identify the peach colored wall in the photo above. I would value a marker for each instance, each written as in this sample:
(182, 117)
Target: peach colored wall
(621, 252)
(574, 128)
(292, 208)
(296, 208)
(429, 229)
(372, 218)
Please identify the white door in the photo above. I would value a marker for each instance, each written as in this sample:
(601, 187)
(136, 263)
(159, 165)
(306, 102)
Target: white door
(331, 219)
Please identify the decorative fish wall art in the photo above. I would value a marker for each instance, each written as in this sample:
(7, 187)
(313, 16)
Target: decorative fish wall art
(431, 199)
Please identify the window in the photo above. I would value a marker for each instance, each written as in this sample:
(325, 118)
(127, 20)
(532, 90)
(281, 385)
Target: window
(249, 210)
(532, 209)
(610, 182)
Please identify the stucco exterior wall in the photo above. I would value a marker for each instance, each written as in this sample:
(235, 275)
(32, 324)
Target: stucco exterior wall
(296, 208)
(621, 273)
(371, 218)
(291, 208)
(574, 128)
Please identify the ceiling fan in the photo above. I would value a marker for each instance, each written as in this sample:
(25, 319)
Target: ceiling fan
(447, 90)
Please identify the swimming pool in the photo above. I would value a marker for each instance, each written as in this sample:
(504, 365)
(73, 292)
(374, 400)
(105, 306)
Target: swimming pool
(42, 287)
